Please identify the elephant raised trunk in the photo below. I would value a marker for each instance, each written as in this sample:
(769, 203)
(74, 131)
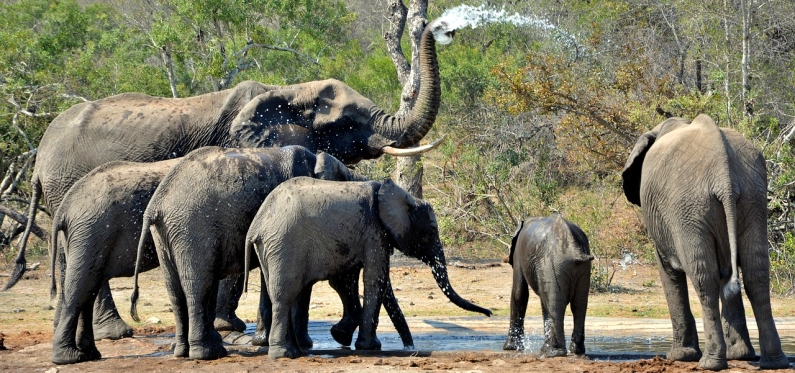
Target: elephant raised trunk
(407, 130)
(439, 270)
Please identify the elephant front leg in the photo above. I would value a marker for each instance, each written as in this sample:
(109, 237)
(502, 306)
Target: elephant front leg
(519, 296)
(107, 322)
(375, 277)
(264, 316)
(229, 293)
(685, 336)
(347, 287)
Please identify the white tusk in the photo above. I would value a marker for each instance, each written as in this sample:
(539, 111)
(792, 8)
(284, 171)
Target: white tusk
(407, 152)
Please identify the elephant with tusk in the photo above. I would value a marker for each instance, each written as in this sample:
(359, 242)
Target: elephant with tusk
(322, 115)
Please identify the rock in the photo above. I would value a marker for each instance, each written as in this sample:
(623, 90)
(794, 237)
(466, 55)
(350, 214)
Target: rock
(152, 320)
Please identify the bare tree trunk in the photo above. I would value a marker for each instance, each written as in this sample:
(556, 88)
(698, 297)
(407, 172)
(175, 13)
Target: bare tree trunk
(726, 8)
(408, 170)
(747, 17)
(165, 52)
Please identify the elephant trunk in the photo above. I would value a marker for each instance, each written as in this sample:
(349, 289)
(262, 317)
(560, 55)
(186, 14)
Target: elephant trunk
(439, 270)
(407, 130)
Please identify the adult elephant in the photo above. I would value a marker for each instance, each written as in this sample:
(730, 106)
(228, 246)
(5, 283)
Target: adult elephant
(322, 115)
(703, 193)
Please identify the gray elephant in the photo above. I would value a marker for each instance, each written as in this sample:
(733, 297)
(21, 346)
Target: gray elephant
(334, 228)
(322, 116)
(552, 256)
(198, 217)
(703, 193)
(100, 218)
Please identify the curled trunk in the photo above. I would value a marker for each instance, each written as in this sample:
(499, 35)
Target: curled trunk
(439, 270)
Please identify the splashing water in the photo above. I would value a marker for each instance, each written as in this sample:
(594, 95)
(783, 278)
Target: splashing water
(474, 17)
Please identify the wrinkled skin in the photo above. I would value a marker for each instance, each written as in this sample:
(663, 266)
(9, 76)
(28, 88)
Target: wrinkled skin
(198, 221)
(338, 228)
(703, 193)
(321, 116)
(100, 218)
(552, 256)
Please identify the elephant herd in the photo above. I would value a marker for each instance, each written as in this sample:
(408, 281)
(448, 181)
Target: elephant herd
(199, 185)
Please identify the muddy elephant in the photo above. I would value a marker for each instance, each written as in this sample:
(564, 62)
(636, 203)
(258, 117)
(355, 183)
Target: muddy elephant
(198, 217)
(100, 219)
(336, 228)
(703, 194)
(321, 116)
(552, 256)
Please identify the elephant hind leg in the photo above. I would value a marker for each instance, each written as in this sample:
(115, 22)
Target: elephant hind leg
(735, 330)
(520, 293)
(685, 336)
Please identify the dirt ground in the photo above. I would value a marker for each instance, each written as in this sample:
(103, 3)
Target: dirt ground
(26, 326)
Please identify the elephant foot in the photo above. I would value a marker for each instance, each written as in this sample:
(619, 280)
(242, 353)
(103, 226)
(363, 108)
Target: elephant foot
(211, 352)
(303, 340)
(288, 351)
(368, 344)
(740, 351)
(577, 349)
(113, 329)
(514, 343)
(260, 338)
(180, 349)
(230, 322)
(549, 351)
(342, 333)
(684, 354)
(778, 361)
(68, 355)
(713, 363)
(92, 353)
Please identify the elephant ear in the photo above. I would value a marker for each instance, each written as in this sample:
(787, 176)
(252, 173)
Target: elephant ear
(630, 176)
(513, 241)
(272, 119)
(394, 209)
(329, 168)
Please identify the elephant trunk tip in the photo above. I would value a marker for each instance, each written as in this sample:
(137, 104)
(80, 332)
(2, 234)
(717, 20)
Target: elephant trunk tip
(443, 31)
(732, 288)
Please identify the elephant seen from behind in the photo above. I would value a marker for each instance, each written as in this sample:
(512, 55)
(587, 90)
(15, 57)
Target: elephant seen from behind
(550, 255)
(309, 230)
(100, 219)
(703, 193)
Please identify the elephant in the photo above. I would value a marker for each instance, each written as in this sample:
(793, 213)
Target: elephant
(322, 115)
(702, 191)
(198, 217)
(100, 218)
(335, 228)
(552, 256)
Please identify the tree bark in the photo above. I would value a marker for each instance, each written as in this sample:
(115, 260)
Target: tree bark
(408, 170)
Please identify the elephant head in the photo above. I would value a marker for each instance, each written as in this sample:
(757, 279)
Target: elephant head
(411, 223)
(633, 168)
(330, 116)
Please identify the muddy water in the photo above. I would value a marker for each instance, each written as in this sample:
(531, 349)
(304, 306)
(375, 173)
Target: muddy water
(606, 338)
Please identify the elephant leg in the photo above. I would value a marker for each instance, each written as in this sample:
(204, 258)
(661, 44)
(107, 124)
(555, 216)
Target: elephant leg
(704, 277)
(735, 330)
(264, 315)
(519, 296)
(178, 306)
(201, 290)
(685, 336)
(283, 296)
(107, 322)
(229, 292)
(57, 315)
(85, 333)
(347, 287)
(375, 277)
(300, 318)
(64, 341)
(756, 280)
(396, 316)
(554, 310)
(579, 304)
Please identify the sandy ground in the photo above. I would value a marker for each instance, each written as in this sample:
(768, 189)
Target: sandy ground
(634, 306)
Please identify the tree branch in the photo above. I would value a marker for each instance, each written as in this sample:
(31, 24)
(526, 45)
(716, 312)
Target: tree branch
(22, 220)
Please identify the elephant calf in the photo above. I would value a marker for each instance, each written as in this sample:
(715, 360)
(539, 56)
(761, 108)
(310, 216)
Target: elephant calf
(100, 217)
(552, 256)
(308, 230)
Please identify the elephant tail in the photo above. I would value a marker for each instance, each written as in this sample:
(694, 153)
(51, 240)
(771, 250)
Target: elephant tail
(732, 288)
(147, 222)
(246, 262)
(57, 226)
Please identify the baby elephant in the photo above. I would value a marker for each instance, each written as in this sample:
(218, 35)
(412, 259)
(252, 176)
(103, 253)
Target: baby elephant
(552, 256)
